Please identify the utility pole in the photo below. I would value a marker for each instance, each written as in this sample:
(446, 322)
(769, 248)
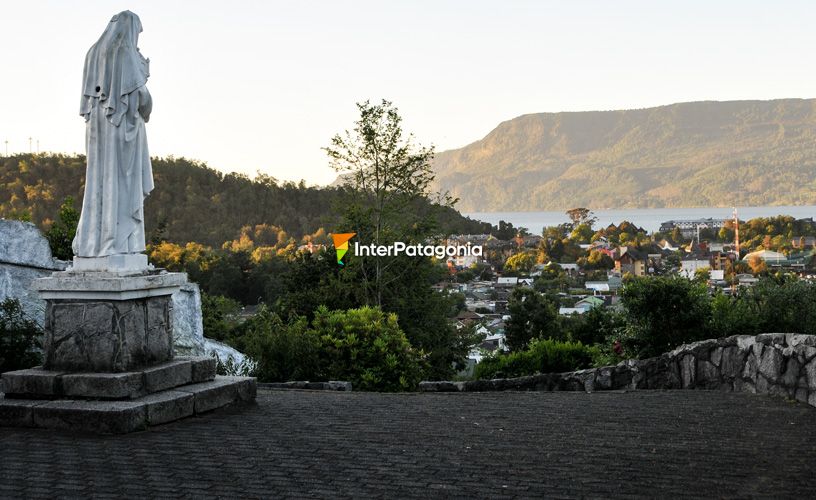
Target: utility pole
(38, 146)
(736, 232)
(29, 145)
(6, 147)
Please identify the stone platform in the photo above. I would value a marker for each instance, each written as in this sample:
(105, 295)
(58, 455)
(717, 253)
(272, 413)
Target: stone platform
(104, 321)
(114, 403)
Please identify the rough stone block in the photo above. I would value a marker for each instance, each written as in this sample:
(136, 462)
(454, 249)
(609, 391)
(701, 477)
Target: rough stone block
(802, 395)
(771, 364)
(731, 363)
(443, 386)
(203, 368)
(790, 377)
(763, 385)
(34, 382)
(105, 417)
(603, 379)
(688, 371)
(708, 376)
(716, 356)
(17, 412)
(339, 385)
(167, 375)
(247, 387)
(746, 342)
(168, 406)
(188, 330)
(749, 371)
(798, 339)
(621, 377)
(771, 339)
(21, 243)
(810, 373)
(103, 385)
(214, 394)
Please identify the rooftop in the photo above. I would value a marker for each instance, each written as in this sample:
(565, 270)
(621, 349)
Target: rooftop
(529, 444)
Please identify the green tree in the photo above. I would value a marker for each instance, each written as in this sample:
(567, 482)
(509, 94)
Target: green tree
(61, 234)
(596, 260)
(581, 216)
(664, 312)
(283, 351)
(219, 316)
(388, 174)
(532, 315)
(520, 263)
(702, 275)
(388, 199)
(598, 325)
(582, 233)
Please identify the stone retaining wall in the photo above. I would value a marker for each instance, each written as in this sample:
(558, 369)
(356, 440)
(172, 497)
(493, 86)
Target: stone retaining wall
(780, 364)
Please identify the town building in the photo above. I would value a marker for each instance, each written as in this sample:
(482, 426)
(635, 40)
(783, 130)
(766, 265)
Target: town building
(688, 227)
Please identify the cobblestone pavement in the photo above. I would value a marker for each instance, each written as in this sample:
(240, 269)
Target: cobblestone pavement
(536, 444)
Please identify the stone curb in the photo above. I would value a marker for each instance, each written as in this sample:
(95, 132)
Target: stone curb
(331, 385)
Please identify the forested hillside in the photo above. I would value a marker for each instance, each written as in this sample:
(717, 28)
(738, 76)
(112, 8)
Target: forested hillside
(191, 202)
(682, 155)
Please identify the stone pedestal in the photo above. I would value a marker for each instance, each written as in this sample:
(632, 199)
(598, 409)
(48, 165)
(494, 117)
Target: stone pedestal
(108, 352)
(108, 321)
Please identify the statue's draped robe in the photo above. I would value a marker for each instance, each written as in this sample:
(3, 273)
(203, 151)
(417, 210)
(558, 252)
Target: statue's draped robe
(115, 104)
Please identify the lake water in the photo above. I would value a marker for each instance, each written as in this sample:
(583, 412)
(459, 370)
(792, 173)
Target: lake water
(647, 218)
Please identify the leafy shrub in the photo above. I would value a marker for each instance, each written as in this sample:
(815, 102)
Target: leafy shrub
(367, 347)
(786, 306)
(664, 312)
(542, 356)
(364, 346)
(61, 234)
(595, 326)
(283, 351)
(228, 367)
(532, 315)
(19, 338)
(219, 316)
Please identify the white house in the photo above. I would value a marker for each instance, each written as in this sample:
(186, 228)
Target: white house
(690, 266)
(507, 281)
(569, 311)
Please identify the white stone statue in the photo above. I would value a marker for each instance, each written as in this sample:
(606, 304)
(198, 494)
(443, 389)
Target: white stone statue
(115, 104)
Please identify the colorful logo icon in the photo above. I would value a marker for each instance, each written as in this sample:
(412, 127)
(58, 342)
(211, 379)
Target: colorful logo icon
(341, 245)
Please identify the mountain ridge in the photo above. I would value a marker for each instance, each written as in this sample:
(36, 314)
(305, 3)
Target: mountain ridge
(701, 153)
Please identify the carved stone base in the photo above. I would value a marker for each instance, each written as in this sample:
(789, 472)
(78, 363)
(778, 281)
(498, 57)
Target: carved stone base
(107, 336)
(108, 322)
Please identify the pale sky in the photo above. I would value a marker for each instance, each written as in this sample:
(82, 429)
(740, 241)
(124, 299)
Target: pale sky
(261, 86)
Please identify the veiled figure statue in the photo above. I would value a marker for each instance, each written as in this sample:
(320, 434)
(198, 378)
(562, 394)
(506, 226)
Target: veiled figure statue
(115, 105)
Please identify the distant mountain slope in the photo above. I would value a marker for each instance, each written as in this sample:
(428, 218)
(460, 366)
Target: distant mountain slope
(682, 155)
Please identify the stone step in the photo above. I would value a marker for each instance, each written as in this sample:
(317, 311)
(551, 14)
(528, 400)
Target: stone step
(117, 417)
(37, 383)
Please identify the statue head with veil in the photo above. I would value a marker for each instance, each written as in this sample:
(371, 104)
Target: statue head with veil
(116, 105)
